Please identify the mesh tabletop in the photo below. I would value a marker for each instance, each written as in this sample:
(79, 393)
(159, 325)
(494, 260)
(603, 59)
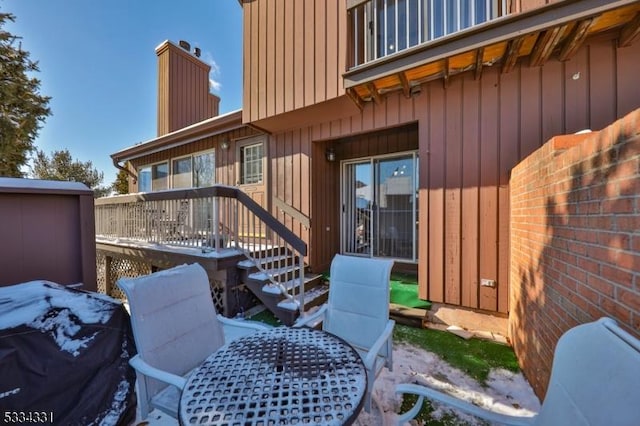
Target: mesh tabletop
(282, 376)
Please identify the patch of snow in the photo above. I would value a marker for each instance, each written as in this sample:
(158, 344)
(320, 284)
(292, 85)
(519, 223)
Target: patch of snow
(271, 289)
(54, 310)
(289, 304)
(506, 392)
(118, 405)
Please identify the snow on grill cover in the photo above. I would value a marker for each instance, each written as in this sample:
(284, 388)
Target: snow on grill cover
(65, 352)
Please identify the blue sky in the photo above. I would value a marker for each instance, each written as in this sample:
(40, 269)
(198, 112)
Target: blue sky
(98, 63)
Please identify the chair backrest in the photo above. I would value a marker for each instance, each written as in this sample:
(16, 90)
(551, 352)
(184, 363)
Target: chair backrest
(595, 378)
(358, 306)
(173, 319)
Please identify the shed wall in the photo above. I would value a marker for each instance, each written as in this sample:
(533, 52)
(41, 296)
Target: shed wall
(47, 235)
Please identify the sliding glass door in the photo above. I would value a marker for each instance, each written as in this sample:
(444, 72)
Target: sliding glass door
(379, 206)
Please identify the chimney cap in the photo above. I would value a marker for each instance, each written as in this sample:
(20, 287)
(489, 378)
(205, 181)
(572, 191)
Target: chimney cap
(185, 45)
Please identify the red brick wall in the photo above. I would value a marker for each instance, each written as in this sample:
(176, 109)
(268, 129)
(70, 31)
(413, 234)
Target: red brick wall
(575, 240)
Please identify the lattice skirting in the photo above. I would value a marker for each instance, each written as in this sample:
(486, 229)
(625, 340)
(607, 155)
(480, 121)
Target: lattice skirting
(123, 266)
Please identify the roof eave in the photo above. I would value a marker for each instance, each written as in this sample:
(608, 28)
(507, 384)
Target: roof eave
(206, 128)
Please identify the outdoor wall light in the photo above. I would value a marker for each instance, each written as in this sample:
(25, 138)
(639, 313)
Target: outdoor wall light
(224, 144)
(330, 154)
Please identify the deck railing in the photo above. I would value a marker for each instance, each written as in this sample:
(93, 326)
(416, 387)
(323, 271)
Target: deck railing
(212, 219)
(379, 28)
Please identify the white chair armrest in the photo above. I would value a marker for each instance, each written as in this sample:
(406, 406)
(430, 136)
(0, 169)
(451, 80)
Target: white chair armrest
(370, 359)
(254, 325)
(313, 318)
(432, 394)
(235, 328)
(164, 376)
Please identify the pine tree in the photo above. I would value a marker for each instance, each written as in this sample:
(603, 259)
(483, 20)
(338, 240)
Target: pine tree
(22, 108)
(61, 166)
(121, 184)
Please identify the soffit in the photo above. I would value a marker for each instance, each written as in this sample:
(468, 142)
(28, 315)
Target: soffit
(554, 31)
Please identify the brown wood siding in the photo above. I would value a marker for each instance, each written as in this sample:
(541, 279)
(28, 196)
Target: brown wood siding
(470, 135)
(225, 159)
(294, 55)
(183, 90)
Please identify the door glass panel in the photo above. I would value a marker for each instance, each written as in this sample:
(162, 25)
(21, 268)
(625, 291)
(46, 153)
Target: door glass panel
(358, 201)
(393, 208)
(380, 207)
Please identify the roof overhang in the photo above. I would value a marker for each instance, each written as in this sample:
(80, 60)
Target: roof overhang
(206, 128)
(559, 29)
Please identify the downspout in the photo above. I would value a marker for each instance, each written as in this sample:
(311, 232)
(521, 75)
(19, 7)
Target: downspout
(124, 169)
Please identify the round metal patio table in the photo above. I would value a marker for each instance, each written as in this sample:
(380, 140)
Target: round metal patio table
(281, 376)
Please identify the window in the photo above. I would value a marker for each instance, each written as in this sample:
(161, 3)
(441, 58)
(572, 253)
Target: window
(181, 173)
(144, 179)
(159, 176)
(251, 164)
(204, 169)
(194, 171)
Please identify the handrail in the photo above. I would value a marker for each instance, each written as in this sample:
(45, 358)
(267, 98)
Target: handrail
(208, 219)
(293, 212)
(213, 191)
(381, 29)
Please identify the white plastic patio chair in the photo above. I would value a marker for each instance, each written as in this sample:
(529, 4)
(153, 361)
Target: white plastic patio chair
(358, 312)
(595, 380)
(175, 327)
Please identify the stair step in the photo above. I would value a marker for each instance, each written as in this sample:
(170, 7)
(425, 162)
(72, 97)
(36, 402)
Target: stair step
(288, 305)
(264, 275)
(289, 285)
(312, 298)
(252, 263)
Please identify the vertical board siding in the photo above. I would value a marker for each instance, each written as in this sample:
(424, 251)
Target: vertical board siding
(489, 174)
(469, 135)
(470, 191)
(264, 92)
(435, 217)
(576, 94)
(600, 82)
(183, 90)
(308, 54)
(271, 59)
(312, 34)
(319, 47)
(453, 178)
(626, 69)
(289, 37)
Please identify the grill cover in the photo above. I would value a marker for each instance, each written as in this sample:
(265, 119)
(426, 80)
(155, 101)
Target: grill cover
(64, 356)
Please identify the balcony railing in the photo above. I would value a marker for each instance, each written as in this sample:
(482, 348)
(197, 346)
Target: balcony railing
(207, 220)
(379, 28)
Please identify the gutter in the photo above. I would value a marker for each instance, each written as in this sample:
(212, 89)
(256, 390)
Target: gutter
(118, 166)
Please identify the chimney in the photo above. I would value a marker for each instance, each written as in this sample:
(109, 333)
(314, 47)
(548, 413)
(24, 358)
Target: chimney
(183, 88)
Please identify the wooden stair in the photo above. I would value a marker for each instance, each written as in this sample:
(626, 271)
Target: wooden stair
(283, 268)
